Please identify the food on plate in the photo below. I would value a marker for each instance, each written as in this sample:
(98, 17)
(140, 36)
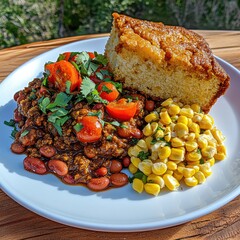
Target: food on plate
(80, 124)
(77, 123)
(180, 143)
(164, 61)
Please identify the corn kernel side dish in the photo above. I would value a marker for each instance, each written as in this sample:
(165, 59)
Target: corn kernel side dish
(180, 143)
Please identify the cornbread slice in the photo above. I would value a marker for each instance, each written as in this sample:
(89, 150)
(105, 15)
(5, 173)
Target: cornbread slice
(164, 61)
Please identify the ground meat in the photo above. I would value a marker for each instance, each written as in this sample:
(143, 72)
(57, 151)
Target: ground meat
(82, 159)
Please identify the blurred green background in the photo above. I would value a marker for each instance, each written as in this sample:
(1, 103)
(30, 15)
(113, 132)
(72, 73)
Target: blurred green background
(24, 21)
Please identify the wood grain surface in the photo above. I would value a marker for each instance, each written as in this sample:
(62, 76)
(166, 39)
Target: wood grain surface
(17, 222)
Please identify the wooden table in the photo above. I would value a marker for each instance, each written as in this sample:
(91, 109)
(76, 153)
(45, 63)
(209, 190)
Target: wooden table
(17, 222)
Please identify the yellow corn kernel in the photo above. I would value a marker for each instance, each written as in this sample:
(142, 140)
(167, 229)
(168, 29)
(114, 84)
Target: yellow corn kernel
(171, 165)
(191, 137)
(154, 156)
(217, 134)
(145, 167)
(170, 172)
(152, 178)
(205, 169)
(153, 116)
(194, 127)
(132, 168)
(173, 109)
(197, 118)
(206, 122)
(134, 151)
(187, 112)
(200, 177)
(177, 154)
(159, 168)
(219, 156)
(181, 130)
(211, 161)
(188, 172)
(191, 145)
(154, 126)
(212, 143)
(148, 141)
(196, 108)
(183, 119)
(191, 181)
(195, 167)
(167, 134)
(142, 144)
(159, 134)
(193, 163)
(202, 141)
(164, 152)
(178, 175)
(193, 156)
(147, 130)
(152, 188)
(171, 182)
(135, 161)
(167, 102)
(165, 118)
(208, 152)
(137, 185)
(162, 160)
(221, 149)
(177, 142)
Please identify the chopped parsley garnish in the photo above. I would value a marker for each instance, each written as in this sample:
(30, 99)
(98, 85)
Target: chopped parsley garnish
(12, 124)
(115, 123)
(78, 127)
(106, 89)
(133, 141)
(123, 126)
(109, 138)
(100, 59)
(201, 161)
(143, 155)
(140, 175)
(89, 92)
(24, 133)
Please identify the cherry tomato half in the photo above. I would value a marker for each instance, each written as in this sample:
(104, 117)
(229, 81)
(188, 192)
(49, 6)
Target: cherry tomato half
(61, 72)
(121, 109)
(91, 129)
(108, 91)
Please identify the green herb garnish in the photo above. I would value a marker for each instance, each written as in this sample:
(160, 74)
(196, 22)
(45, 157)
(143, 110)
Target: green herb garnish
(143, 155)
(78, 127)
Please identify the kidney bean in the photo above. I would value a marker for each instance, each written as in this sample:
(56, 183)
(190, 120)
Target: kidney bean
(101, 172)
(126, 161)
(68, 179)
(17, 148)
(98, 184)
(47, 151)
(119, 179)
(136, 133)
(149, 105)
(35, 165)
(17, 115)
(116, 166)
(21, 96)
(124, 132)
(89, 151)
(15, 96)
(98, 106)
(57, 166)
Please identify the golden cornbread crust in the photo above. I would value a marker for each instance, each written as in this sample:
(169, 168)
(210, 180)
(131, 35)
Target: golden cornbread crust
(165, 61)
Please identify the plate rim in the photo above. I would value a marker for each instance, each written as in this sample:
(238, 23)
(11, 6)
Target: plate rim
(115, 227)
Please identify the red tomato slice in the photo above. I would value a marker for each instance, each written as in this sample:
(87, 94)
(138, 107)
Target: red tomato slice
(67, 55)
(91, 55)
(108, 91)
(122, 110)
(61, 72)
(91, 129)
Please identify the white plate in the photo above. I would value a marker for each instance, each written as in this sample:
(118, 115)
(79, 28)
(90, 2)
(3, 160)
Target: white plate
(118, 209)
